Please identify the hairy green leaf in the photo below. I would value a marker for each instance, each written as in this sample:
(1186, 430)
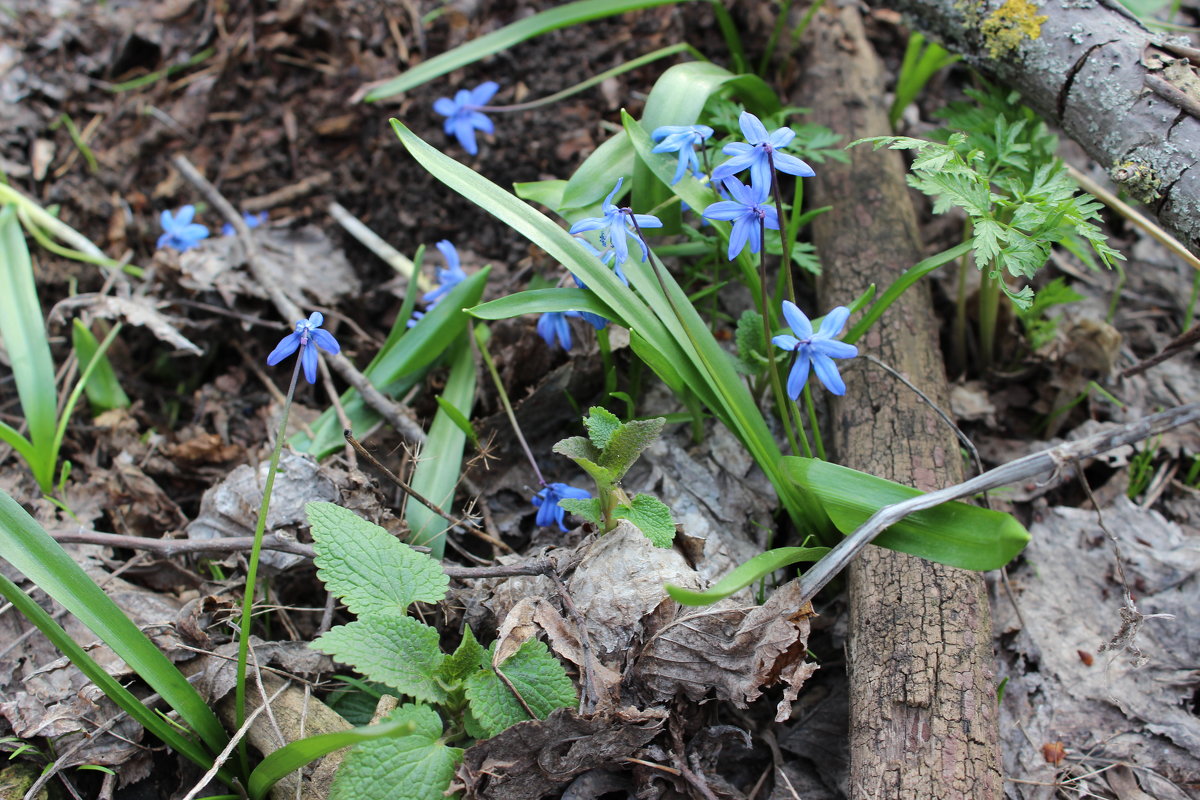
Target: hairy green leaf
(627, 442)
(397, 651)
(469, 657)
(652, 517)
(417, 766)
(584, 508)
(369, 568)
(601, 424)
(535, 674)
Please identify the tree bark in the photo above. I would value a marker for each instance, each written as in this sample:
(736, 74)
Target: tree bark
(1081, 66)
(922, 695)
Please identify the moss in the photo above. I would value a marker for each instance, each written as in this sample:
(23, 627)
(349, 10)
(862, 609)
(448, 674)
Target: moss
(1138, 178)
(1009, 25)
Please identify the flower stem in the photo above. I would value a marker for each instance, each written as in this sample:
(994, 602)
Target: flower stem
(252, 572)
(776, 384)
(812, 421)
(989, 308)
(784, 233)
(508, 409)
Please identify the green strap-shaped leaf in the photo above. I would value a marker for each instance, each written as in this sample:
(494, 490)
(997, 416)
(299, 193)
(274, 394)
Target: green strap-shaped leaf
(540, 301)
(28, 548)
(103, 389)
(369, 568)
(398, 651)
(416, 766)
(752, 571)
(956, 534)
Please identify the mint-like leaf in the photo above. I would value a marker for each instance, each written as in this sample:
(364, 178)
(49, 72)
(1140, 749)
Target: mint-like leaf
(401, 652)
(601, 424)
(413, 767)
(585, 508)
(751, 347)
(535, 674)
(652, 517)
(585, 454)
(371, 570)
(469, 657)
(627, 443)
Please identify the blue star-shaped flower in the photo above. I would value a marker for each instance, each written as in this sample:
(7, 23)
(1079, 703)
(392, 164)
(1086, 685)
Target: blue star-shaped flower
(758, 152)
(616, 224)
(463, 116)
(747, 211)
(307, 337)
(681, 138)
(815, 349)
(606, 256)
(549, 511)
(553, 326)
(179, 232)
(448, 278)
(252, 221)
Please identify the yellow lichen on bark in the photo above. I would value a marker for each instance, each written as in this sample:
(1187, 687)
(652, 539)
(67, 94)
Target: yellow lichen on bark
(1008, 25)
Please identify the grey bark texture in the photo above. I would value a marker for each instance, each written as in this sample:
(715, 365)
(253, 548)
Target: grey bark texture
(922, 696)
(1083, 65)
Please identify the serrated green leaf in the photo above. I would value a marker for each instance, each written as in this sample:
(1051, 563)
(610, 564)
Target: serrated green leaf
(652, 517)
(413, 767)
(369, 568)
(751, 346)
(535, 674)
(580, 450)
(469, 657)
(398, 651)
(627, 443)
(601, 424)
(585, 508)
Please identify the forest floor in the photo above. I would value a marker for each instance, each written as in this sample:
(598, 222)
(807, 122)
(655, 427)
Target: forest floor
(259, 98)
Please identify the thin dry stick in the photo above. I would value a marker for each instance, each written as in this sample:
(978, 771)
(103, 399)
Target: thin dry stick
(588, 701)
(1049, 460)
(289, 310)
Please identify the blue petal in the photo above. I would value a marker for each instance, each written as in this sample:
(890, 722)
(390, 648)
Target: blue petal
(566, 491)
(835, 349)
(481, 122)
(797, 320)
(735, 164)
(464, 131)
(287, 345)
(827, 371)
(792, 165)
(770, 217)
(484, 92)
(760, 174)
(316, 319)
(785, 342)
(781, 137)
(588, 224)
(608, 200)
(308, 360)
(183, 217)
(752, 128)
(738, 236)
(799, 375)
(724, 210)
(833, 323)
(545, 329)
(647, 221)
(324, 340)
(445, 106)
(449, 253)
(167, 221)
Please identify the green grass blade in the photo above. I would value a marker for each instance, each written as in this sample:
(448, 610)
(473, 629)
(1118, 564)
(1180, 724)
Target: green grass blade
(440, 464)
(956, 534)
(596, 176)
(761, 565)
(295, 755)
(396, 367)
(540, 301)
(24, 333)
(25, 545)
(509, 36)
(18, 442)
(148, 719)
(103, 389)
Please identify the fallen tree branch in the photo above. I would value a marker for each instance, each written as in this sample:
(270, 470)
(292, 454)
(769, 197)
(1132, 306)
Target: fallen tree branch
(1050, 460)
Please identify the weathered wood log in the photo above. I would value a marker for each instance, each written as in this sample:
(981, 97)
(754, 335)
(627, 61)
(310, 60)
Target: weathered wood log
(1095, 71)
(922, 697)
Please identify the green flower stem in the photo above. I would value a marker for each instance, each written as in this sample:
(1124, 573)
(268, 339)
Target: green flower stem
(610, 372)
(989, 308)
(812, 421)
(508, 409)
(959, 337)
(784, 230)
(776, 384)
(252, 573)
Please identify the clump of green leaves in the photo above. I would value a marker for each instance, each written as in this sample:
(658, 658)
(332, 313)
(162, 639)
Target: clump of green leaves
(1039, 328)
(606, 453)
(453, 697)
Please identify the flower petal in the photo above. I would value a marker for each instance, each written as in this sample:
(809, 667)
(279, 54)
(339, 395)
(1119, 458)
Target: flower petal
(647, 221)
(835, 349)
(308, 360)
(734, 165)
(724, 210)
(484, 92)
(316, 319)
(287, 345)
(833, 323)
(464, 131)
(785, 341)
(797, 320)
(781, 137)
(449, 253)
(799, 375)
(324, 340)
(760, 175)
(608, 201)
(167, 221)
(792, 165)
(445, 106)
(738, 236)
(588, 224)
(481, 121)
(827, 371)
(752, 128)
(184, 216)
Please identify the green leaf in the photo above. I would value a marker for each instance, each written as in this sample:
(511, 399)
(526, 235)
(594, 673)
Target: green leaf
(297, 754)
(751, 572)
(469, 657)
(585, 508)
(439, 467)
(546, 193)
(597, 175)
(418, 766)
(585, 454)
(751, 346)
(397, 651)
(24, 334)
(369, 568)
(955, 534)
(535, 674)
(652, 518)
(601, 424)
(540, 301)
(626, 444)
(103, 389)
(32, 551)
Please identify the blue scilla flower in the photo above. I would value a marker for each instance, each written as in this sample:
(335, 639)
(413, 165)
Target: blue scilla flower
(616, 224)
(606, 256)
(759, 151)
(747, 211)
(546, 501)
(307, 337)
(681, 138)
(179, 232)
(463, 116)
(449, 277)
(815, 350)
(252, 221)
(552, 326)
